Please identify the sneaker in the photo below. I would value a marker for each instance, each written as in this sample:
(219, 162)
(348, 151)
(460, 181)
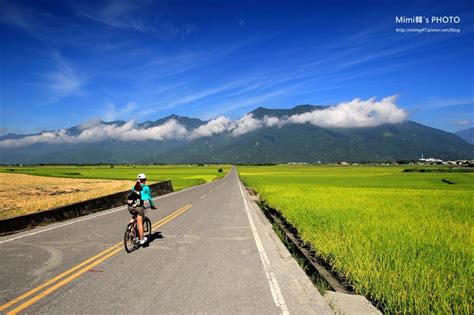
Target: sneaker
(143, 241)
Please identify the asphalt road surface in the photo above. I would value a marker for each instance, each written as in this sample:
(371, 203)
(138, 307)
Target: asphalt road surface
(212, 252)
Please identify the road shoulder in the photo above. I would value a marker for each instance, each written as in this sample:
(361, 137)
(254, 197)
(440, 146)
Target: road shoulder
(301, 296)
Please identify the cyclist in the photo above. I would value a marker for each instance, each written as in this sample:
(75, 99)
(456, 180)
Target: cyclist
(135, 207)
(146, 192)
(141, 192)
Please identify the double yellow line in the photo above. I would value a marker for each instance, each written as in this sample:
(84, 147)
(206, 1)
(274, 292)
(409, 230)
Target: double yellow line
(78, 270)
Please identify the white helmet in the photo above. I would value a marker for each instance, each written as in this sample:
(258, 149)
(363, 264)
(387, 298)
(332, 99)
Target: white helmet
(141, 176)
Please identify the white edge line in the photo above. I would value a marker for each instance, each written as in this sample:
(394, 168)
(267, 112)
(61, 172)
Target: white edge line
(274, 287)
(104, 212)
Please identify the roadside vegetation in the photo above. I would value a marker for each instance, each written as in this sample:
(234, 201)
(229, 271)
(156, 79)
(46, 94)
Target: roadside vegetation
(403, 239)
(54, 186)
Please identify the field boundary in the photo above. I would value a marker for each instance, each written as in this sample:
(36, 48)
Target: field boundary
(334, 289)
(74, 210)
(314, 267)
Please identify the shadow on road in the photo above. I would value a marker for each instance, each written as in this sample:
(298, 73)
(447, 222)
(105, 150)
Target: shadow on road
(154, 235)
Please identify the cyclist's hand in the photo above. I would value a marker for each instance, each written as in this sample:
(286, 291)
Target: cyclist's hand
(153, 207)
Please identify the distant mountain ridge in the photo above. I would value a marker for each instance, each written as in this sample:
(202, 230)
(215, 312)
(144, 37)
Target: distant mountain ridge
(466, 134)
(189, 123)
(260, 112)
(276, 144)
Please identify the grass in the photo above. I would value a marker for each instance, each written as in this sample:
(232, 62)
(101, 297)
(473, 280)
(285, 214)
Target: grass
(182, 176)
(53, 186)
(403, 239)
(317, 280)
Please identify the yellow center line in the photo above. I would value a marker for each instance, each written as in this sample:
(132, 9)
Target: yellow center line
(61, 283)
(47, 283)
(171, 216)
(111, 251)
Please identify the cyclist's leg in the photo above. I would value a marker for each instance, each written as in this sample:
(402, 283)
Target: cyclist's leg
(140, 225)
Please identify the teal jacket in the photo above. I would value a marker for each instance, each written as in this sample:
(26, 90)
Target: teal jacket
(146, 194)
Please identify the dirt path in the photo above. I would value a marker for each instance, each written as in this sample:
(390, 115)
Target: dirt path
(21, 194)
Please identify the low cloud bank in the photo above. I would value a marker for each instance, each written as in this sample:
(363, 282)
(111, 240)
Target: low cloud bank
(354, 114)
(171, 129)
(212, 127)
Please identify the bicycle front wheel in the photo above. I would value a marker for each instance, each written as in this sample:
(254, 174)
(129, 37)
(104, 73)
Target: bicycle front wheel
(129, 238)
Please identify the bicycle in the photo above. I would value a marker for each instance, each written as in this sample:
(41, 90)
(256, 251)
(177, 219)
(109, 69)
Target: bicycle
(131, 239)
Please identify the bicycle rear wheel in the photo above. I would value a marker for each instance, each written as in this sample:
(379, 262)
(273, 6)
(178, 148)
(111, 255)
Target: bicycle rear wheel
(129, 238)
(147, 228)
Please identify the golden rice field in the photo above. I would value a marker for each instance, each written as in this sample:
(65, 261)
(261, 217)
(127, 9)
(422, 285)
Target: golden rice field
(404, 240)
(20, 194)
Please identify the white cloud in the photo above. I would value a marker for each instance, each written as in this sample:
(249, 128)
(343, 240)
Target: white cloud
(59, 136)
(114, 113)
(102, 131)
(245, 124)
(215, 126)
(273, 121)
(130, 14)
(10, 14)
(440, 102)
(354, 114)
(93, 132)
(63, 80)
(117, 14)
(201, 94)
(463, 123)
(171, 129)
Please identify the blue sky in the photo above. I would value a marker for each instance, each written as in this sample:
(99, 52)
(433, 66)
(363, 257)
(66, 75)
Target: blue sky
(67, 62)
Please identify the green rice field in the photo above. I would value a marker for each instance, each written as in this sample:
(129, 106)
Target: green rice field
(402, 239)
(181, 176)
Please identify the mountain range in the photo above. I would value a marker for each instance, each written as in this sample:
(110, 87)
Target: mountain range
(466, 134)
(298, 142)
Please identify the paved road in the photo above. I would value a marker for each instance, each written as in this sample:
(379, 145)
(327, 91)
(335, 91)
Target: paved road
(213, 252)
